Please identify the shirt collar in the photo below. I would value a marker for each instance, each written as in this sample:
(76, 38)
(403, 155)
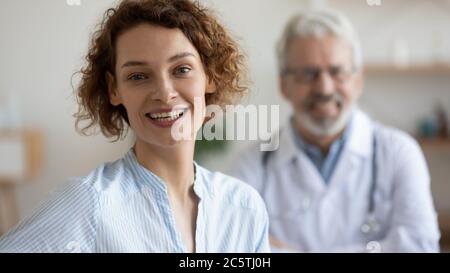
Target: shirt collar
(199, 182)
(147, 177)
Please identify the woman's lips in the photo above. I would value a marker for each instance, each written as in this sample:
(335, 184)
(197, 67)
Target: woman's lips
(165, 118)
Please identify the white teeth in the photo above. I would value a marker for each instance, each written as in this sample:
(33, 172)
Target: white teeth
(167, 116)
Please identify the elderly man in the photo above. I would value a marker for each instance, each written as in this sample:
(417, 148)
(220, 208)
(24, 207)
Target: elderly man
(339, 180)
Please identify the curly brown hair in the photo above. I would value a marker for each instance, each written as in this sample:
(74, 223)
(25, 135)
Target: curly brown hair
(221, 57)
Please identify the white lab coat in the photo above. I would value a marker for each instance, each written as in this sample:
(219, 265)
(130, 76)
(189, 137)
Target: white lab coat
(310, 215)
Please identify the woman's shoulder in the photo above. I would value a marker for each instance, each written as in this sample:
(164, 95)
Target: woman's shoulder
(232, 190)
(110, 178)
(67, 220)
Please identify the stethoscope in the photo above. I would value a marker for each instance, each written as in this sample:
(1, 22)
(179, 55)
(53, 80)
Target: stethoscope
(370, 225)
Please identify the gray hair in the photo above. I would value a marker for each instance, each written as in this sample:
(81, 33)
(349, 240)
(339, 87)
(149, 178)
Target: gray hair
(318, 23)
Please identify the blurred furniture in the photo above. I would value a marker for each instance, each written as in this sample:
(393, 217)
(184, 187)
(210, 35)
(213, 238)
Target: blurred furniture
(433, 147)
(20, 161)
(413, 69)
(444, 227)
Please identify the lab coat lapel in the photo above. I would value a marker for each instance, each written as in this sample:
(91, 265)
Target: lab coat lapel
(308, 175)
(313, 180)
(357, 149)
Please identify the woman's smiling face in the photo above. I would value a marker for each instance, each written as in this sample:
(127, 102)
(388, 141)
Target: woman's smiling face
(158, 75)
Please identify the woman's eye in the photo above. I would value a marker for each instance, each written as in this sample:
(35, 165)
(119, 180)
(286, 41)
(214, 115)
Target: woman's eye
(137, 77)
(182, 70)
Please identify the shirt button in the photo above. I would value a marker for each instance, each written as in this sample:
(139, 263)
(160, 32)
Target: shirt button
(365, 228)
(306, 203)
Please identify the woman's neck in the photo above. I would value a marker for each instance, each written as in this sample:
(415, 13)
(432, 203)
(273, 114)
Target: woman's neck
(174, 165)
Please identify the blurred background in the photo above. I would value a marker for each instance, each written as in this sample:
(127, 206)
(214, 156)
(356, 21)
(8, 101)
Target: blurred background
(406, 46)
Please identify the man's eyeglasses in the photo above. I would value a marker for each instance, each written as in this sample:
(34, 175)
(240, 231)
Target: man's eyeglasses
(308, 75)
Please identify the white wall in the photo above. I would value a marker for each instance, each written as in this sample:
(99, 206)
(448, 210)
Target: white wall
(403, 100)
(43, 43)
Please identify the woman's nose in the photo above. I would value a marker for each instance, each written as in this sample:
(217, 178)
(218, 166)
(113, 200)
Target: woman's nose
(164, 90)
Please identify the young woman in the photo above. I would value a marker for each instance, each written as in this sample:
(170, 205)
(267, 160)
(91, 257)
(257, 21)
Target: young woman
(148, 63)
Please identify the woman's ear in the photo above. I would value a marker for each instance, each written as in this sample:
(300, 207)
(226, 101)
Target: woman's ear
(114, 97)
(210, 87)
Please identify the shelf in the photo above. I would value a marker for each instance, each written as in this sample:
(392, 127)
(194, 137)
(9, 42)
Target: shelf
(422, 69)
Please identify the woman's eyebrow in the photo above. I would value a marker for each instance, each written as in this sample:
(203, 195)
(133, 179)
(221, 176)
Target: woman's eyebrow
(134, 63)
(171, 59)
(180, 56)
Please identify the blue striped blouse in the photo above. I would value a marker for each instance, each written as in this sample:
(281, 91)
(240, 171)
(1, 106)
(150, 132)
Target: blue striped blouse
(123, 207)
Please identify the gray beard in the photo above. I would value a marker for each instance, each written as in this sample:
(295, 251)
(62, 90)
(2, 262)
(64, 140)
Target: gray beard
(327, 126)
